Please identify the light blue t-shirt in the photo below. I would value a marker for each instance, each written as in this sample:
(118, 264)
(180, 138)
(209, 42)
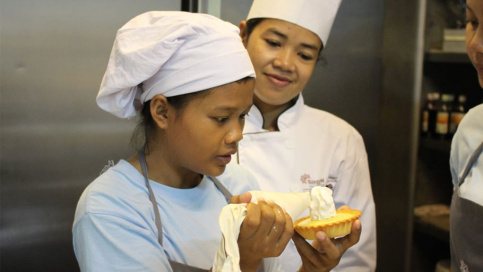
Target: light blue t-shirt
(114, 227)
(465, 141)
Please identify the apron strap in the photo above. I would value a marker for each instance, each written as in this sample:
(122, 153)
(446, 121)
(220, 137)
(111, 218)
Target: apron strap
(470, 163)
(180, 267)
(223, 189)
(175, 266)
(157, 217)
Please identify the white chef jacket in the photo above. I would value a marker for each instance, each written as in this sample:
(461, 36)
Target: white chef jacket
(313, 147)
(467, 138)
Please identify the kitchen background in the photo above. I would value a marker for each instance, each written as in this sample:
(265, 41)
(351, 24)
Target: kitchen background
(377, 69)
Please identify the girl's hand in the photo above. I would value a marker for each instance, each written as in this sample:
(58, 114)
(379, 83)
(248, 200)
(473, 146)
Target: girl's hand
(243, 198)
(265, 232)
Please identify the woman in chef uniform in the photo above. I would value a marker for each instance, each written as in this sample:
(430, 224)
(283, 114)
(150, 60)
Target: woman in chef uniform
(289, 146)
(158, 210)
(466, 161)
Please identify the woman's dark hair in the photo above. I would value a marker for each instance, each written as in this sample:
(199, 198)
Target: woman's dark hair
(251, 24)
(145, 126)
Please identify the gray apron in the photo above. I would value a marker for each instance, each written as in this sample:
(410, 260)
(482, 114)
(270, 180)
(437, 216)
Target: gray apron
(466, 227)
(176, 266)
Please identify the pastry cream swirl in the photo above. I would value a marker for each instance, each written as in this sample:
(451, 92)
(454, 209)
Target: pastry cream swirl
(322, 204)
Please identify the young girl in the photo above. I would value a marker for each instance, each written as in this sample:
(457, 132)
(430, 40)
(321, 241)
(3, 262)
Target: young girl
(158, 210)
(466, 161)
(290, 147)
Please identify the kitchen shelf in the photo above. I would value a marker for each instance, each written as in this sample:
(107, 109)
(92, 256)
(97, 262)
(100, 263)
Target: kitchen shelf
(436, 55)
(433, 220)
(435, 226)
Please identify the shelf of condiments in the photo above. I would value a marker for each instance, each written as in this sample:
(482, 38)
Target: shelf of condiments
(441, 115)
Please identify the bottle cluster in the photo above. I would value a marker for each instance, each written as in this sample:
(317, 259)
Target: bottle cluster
(441, 115)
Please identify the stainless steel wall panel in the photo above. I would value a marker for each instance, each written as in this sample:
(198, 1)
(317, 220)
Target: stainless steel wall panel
(54, 140)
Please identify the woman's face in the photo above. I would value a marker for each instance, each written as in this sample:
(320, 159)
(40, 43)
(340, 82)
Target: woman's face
(284, 56)
(204, 136)
(474, 35)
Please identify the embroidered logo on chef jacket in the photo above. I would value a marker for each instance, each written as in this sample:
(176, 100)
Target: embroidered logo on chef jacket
(308, 183)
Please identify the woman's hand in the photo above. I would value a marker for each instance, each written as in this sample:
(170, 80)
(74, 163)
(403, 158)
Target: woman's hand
(264, 233)
(324, 254)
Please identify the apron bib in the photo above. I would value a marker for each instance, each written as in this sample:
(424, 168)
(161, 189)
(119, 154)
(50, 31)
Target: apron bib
(466, 227)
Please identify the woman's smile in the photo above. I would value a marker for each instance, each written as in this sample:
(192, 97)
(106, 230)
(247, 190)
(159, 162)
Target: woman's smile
(277, 80)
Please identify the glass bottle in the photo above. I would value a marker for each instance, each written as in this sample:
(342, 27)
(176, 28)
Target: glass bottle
(443, 116)
(428, 115)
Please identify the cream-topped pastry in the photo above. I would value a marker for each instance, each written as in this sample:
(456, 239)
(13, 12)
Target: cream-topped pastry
(324, 217)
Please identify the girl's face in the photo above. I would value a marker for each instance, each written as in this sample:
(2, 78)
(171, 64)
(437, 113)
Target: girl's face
(474, 35)
(203, 137)
(284, 56)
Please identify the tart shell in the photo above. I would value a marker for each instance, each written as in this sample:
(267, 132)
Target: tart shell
(332, 227)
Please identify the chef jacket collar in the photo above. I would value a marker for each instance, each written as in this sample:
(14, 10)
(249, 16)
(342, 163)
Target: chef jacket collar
(287, 119)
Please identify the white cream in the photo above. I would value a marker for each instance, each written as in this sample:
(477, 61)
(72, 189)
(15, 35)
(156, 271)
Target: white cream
(322, 204)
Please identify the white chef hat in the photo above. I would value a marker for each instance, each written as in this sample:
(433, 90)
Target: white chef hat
(170, 53)
(314, 15)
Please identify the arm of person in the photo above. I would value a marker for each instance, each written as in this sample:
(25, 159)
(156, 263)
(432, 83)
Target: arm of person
(104, 242)
(354, 190)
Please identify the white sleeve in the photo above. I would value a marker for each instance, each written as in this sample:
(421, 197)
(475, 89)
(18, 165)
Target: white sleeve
(354, 189)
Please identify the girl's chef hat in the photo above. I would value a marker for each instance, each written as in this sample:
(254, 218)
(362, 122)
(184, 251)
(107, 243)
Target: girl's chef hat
(170, 53)
(314, 15)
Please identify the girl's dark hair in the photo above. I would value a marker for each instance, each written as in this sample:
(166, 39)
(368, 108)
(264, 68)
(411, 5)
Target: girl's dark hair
(145, 126)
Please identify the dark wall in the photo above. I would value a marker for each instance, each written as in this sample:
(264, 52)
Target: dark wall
(397, 131)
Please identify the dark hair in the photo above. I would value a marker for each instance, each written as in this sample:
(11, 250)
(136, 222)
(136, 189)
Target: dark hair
(143, 131)
(252, 23)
